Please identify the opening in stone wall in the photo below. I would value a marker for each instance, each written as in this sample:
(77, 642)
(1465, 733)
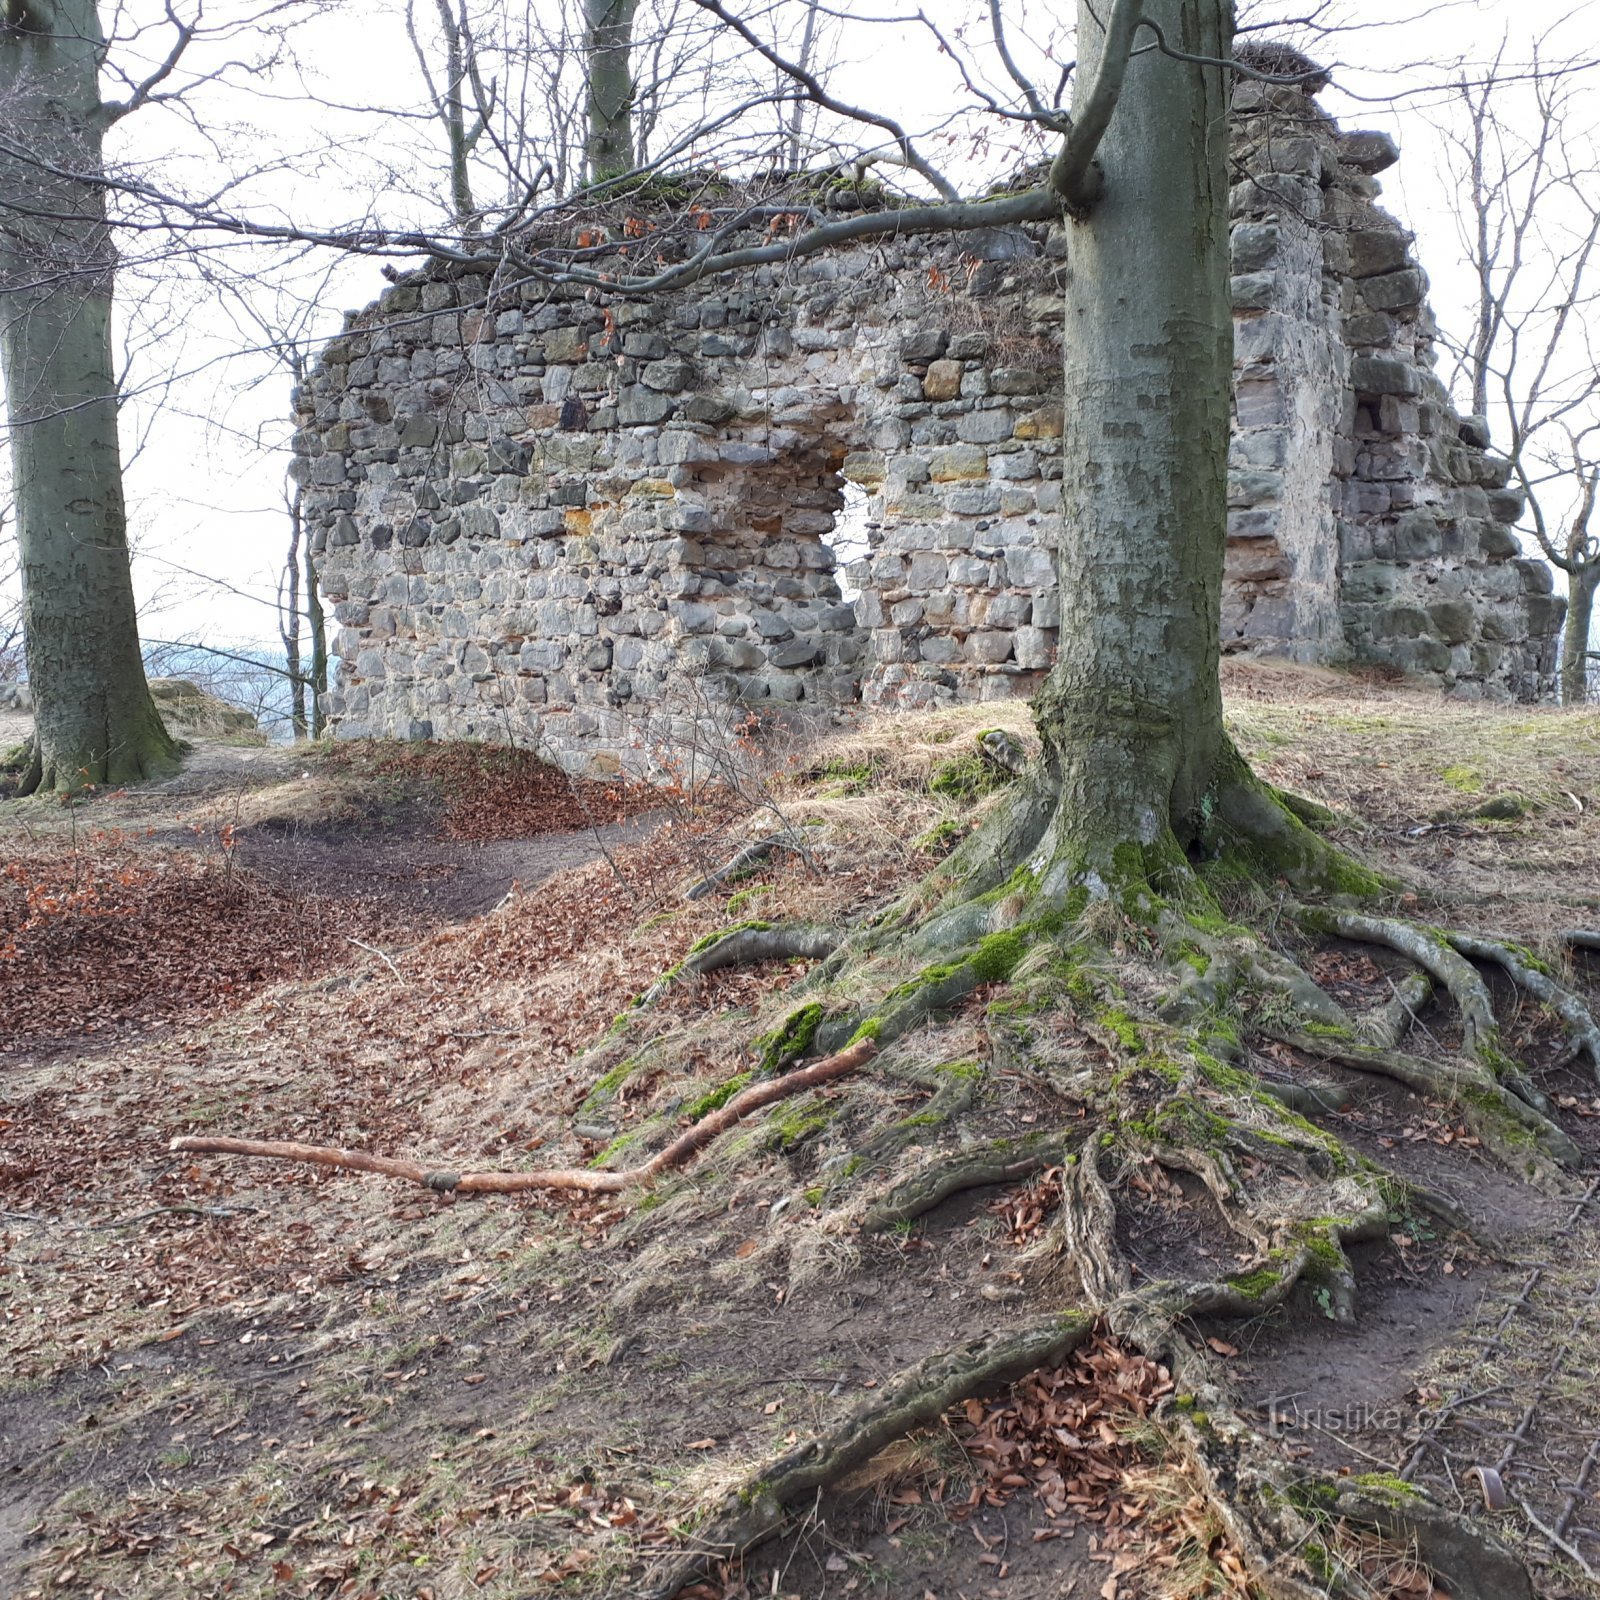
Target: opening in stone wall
(850, 540)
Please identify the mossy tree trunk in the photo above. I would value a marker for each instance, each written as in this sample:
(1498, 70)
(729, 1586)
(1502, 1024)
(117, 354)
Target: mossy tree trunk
(95, 722)
(1131, 715)
(608, 47)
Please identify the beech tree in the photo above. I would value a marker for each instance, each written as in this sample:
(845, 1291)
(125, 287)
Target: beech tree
(1116, 884)
(94, 719)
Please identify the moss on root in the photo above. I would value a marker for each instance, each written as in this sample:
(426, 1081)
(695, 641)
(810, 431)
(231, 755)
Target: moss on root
(790, 1040)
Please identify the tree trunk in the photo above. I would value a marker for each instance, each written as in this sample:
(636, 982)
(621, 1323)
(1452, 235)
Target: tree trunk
(94, 719)
(289, 620)
(1131, 715)
(1583, 579)
(608, 44)
(319, 647)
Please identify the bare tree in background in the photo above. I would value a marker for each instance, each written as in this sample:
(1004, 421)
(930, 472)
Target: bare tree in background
(1525, 154)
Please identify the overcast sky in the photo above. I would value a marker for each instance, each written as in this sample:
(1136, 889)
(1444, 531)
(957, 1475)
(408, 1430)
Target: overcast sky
(205, 481)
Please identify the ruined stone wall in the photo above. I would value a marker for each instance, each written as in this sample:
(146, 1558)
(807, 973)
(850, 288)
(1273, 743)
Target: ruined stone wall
(542, 517)
(1368, 521)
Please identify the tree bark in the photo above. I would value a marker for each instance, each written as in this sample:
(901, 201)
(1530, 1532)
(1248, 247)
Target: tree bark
(608, 45)
(1131, 715)
(94, 720)
(1583, 578)
(319, 646)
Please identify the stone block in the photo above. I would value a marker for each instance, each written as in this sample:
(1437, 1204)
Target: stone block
(1029, 568)
(1380, 375)
(1256, 561)
(983, 501)
(1545, 613)
(1368, 150)
(1395, 291)
(1535, 575)
(984, 427)
(942, 381)
(1252, 291)
(867, 468)
(1035, 648)
(957, 462)
(1420, 655)
(1253, 488)
(1017, 380)
(670, 376)
(1258, 402)
(1271, 618)
(1045, 423)
(565, 345)
(967, 346)
(1372, 328)
(797, 653)
(1254, 244)
(1371, 580)
(989, 646)
(639, 407)
(1453, 620)
(1400, 622)
(1374, 252)
(924, 345)
(1418, 535)
(1497, 541)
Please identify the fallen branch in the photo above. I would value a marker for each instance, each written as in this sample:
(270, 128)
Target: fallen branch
(687, 1144)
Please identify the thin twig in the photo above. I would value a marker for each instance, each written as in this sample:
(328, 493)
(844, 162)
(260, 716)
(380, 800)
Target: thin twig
(1556, 1539)
(372, 950)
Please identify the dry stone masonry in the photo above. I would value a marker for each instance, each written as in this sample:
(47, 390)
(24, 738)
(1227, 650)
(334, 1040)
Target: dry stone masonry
(544, 517)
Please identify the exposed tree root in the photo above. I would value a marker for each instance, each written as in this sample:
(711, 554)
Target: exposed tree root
(1527, 972)
(1508, 1126)
(752, 854)
(687, 1144)
(1124, 950)
(759, 1509)
(1280, 1520)
(747, 947)
(1436, 954)
(998, 1161)
(1389, 1024)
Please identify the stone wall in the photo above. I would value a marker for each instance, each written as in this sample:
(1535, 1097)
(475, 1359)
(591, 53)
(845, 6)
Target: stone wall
(1368, 521)
(543, 517)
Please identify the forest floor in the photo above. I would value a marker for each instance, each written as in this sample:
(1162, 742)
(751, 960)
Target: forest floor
(231, 1377)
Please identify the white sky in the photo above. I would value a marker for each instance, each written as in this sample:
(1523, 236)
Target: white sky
(205, 478)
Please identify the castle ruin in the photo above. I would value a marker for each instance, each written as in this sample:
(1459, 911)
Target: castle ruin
(542, 516)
